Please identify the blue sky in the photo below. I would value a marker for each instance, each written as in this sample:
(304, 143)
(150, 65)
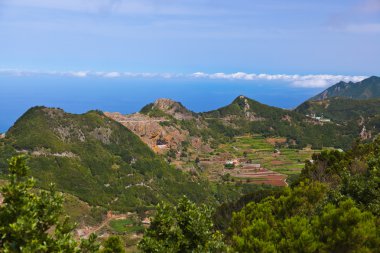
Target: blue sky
(188, 36)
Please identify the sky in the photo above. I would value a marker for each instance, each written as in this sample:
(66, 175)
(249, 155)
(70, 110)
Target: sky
(189, 36)
(244, 46)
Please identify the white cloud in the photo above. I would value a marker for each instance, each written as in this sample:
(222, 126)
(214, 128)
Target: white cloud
(112, 74)
(302, 81)
(311, 83)
(79, 74)
(199, 75)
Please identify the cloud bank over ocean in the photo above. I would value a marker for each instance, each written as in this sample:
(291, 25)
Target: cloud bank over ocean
(301, 81)
(304, 81)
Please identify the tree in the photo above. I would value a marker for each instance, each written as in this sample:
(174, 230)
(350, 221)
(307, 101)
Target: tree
(354, 174)
(90, 245)
(345, 228)
(302, 221)
(29, 218)
(113, 244)
(270, 225)
(184, 228)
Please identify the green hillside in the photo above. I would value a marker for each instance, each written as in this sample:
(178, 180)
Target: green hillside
(245, 115)
(96, 159)
(342, 109)
(356, 115)
(366, 89)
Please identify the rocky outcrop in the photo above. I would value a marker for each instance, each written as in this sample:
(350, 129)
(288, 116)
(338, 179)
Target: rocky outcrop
(102, 134)
(69, 133)
(365, 134)
(249, 113)
(160, 133)
(173, 108)
(46, 153)
(286, 118)
(154, 132)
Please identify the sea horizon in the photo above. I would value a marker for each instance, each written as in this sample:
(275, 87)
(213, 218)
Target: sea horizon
(79, 95)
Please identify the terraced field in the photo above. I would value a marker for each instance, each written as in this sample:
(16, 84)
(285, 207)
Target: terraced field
(258, 160)
(258, 175)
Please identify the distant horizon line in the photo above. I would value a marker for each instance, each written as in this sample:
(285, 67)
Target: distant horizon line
(295, 80)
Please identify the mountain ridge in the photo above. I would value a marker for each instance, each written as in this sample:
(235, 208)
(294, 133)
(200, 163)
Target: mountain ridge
(365, 89)
(247, 116)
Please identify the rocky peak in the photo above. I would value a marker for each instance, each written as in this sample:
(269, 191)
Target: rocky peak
(165, 104)
(173, 108)
(365, 134)
(245, 105)
(242, 101)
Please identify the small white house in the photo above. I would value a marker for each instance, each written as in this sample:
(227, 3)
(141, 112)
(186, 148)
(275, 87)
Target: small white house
(232, 162)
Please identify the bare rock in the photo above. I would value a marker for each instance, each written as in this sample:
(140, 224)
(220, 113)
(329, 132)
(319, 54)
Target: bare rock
(173, 108)
(102, 134)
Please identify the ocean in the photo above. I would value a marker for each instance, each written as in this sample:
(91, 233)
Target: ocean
(78, 95)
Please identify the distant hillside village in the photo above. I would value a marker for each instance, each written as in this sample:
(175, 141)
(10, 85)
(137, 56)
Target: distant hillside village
(319, 118)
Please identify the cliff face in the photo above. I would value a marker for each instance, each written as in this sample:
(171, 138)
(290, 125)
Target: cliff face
(155, 132)
(161, 126)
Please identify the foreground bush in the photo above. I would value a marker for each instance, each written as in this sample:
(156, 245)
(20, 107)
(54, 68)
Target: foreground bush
(30, 219)
(184, 228)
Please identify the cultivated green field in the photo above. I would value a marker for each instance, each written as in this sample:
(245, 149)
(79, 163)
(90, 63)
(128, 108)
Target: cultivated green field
(125, 226)
(267, 152)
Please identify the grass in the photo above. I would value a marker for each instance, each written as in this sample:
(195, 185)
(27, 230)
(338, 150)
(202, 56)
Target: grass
(125, 226)
(81, 212)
